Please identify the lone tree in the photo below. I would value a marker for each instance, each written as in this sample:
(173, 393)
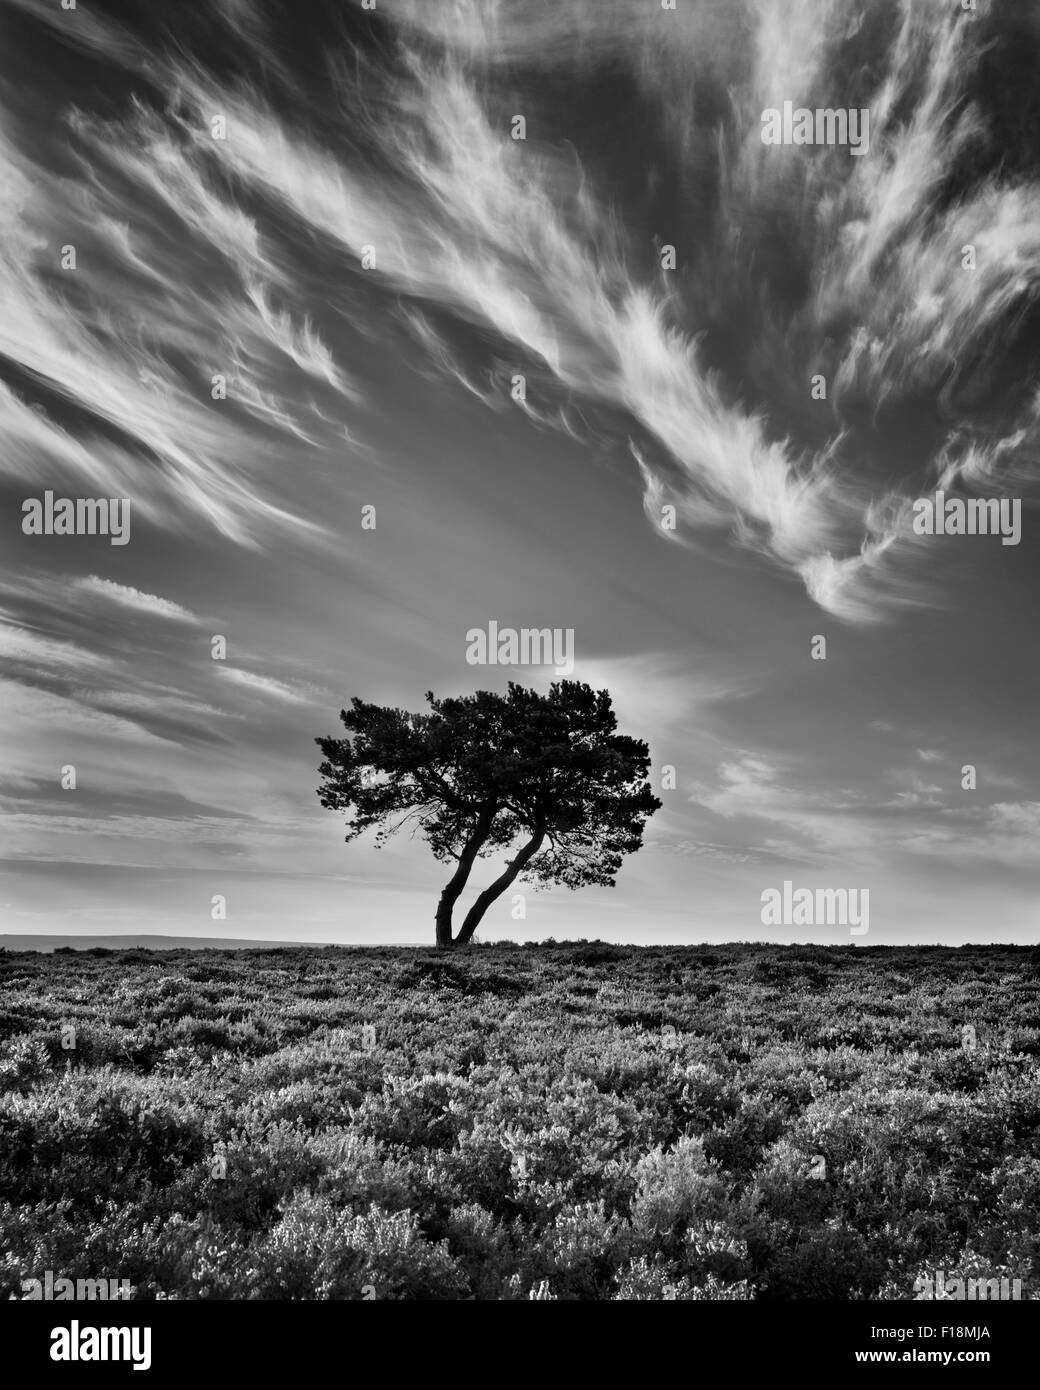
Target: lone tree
(541, 777)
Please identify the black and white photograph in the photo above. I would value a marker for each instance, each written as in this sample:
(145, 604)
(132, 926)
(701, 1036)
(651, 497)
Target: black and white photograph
(519, 669)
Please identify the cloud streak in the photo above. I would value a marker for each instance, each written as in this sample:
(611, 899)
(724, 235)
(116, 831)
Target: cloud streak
(128, 597)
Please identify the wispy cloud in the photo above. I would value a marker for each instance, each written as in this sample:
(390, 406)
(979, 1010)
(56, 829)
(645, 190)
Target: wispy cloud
(28, 648)
(929, 755)
(516, 237)
(888, 309)
(129, 597)
(138, 304)
(267, 685)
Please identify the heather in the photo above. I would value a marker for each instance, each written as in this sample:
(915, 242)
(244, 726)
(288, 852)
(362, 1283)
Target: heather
(577, 1121)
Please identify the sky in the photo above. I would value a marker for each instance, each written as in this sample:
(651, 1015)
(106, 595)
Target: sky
(311, 262)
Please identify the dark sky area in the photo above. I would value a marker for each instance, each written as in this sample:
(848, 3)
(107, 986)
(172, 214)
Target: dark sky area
(354, 136)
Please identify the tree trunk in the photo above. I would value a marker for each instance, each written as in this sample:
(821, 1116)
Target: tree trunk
(443, 919)
(495, 890)
(453, 888)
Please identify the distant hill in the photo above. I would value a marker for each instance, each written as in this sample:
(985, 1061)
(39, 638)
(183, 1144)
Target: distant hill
(131, 941)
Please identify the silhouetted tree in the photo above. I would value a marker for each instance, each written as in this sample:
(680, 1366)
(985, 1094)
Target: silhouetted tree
(545, 776)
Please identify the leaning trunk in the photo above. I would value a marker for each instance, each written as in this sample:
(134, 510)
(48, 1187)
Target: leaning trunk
(495, 890)
(453, 888)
